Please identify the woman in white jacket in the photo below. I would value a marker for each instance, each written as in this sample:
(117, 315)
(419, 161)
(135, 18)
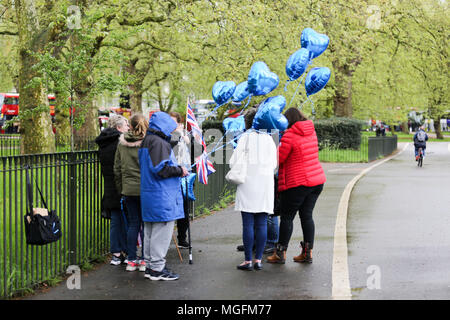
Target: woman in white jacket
(256, 153)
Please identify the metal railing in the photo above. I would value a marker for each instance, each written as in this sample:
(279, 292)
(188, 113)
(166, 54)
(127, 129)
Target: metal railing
(10, 144)
(72, 185)
(381, 146)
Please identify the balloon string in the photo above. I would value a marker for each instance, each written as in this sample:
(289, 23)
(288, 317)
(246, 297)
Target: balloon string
(300, 82)
(285, 86)
(248, 101)
(230, 142)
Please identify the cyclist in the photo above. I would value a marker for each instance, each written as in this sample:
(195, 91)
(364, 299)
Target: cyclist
(420, 141)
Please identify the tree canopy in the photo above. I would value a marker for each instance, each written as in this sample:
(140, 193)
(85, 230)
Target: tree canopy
(387, 57)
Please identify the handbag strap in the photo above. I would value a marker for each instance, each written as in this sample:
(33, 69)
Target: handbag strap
(30, 192)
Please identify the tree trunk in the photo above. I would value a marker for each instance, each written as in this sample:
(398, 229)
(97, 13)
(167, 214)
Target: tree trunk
(35, 124)
(405, 128)
(84, 135)
(135, 100)
(62, 120)
(437, 128)
(343, 92)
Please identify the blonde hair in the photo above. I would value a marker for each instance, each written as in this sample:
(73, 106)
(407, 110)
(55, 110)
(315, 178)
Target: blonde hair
(139, 125)
(117, 121)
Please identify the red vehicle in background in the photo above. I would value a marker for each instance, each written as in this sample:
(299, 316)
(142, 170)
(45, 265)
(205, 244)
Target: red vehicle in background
(9, 107)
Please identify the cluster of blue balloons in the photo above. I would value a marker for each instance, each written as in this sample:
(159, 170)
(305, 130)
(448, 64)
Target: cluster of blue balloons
(313, 44)
(261, 81)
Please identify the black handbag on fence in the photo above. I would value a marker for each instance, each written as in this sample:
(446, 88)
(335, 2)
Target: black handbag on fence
(42, 226)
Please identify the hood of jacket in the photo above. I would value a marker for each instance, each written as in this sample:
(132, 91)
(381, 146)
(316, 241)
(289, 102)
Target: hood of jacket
(128, 139)
(161, 122)
(107, 136)
(303, 128)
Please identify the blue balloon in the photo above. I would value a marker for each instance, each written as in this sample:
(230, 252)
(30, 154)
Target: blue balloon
(222, 91)
(297, 64)
(315, 42)
(269, 114)
(316, 79)
(234, 124)
(261, 80)
(241, 92)
(189, 179)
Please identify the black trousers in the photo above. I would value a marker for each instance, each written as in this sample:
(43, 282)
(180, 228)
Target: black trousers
(302, 199)
(182, 224)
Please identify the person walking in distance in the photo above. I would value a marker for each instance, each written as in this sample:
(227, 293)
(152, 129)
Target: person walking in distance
(300, 182)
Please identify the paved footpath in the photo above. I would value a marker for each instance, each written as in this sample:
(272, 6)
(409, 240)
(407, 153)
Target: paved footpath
(399, 228)
(213, 275)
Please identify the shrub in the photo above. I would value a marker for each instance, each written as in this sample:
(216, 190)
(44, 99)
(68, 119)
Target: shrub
(212, 124)
(341, 133)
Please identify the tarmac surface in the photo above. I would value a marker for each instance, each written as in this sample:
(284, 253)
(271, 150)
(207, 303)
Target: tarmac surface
(389, 227)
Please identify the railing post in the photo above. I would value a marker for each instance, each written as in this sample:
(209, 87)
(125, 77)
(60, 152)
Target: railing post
(72, 192)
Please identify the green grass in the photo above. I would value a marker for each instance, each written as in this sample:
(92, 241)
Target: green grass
(332, 154)
(408, 137)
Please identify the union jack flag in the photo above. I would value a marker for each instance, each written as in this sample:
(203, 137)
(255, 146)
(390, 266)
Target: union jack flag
(204, 168)
(194, 127)
(203, 164)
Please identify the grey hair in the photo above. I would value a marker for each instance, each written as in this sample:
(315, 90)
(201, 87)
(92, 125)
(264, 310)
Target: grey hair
(117, 121)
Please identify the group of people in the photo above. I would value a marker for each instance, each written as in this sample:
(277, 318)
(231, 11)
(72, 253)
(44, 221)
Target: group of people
(281, 182)
(143, 195)
(142, 190)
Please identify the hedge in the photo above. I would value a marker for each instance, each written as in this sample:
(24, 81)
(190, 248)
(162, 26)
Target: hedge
(340, 133)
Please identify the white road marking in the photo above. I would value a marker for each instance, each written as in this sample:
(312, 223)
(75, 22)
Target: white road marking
(340, 275)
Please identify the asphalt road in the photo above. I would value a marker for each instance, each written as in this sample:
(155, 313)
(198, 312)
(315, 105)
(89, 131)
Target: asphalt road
(398, 228)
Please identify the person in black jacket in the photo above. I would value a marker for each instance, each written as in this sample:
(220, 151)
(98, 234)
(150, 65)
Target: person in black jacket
(111, 207)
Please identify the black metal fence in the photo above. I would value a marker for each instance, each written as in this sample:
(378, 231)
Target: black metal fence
(10, 144)
(381, 146)
(72, 185)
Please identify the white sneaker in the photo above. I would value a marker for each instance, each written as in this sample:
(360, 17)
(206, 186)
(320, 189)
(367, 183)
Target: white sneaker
(142, 265)
(132, 266)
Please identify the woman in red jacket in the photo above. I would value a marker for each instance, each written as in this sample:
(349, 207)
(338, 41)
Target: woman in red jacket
(300, 182)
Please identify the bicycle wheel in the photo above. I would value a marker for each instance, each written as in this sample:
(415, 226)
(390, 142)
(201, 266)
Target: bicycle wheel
(420, 162)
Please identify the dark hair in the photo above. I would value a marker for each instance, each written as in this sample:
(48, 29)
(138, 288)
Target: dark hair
(249, 116)
(293, 115)
(176, 115)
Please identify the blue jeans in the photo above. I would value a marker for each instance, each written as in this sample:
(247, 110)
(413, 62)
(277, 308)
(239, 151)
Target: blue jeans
(416, 151)
(272, 231)
(134, 221)
(118, 235)
(254, 229)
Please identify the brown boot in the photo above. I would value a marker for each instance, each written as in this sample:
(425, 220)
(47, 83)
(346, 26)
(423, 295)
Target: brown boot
(305, 255)
(278, 256)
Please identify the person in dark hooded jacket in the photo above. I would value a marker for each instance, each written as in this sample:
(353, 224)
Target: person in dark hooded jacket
(161, 197)
(111, 207)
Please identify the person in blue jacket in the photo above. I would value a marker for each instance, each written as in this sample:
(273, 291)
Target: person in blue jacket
(161, 197)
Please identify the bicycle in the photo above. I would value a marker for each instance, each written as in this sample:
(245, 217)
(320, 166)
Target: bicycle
(420, 161)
